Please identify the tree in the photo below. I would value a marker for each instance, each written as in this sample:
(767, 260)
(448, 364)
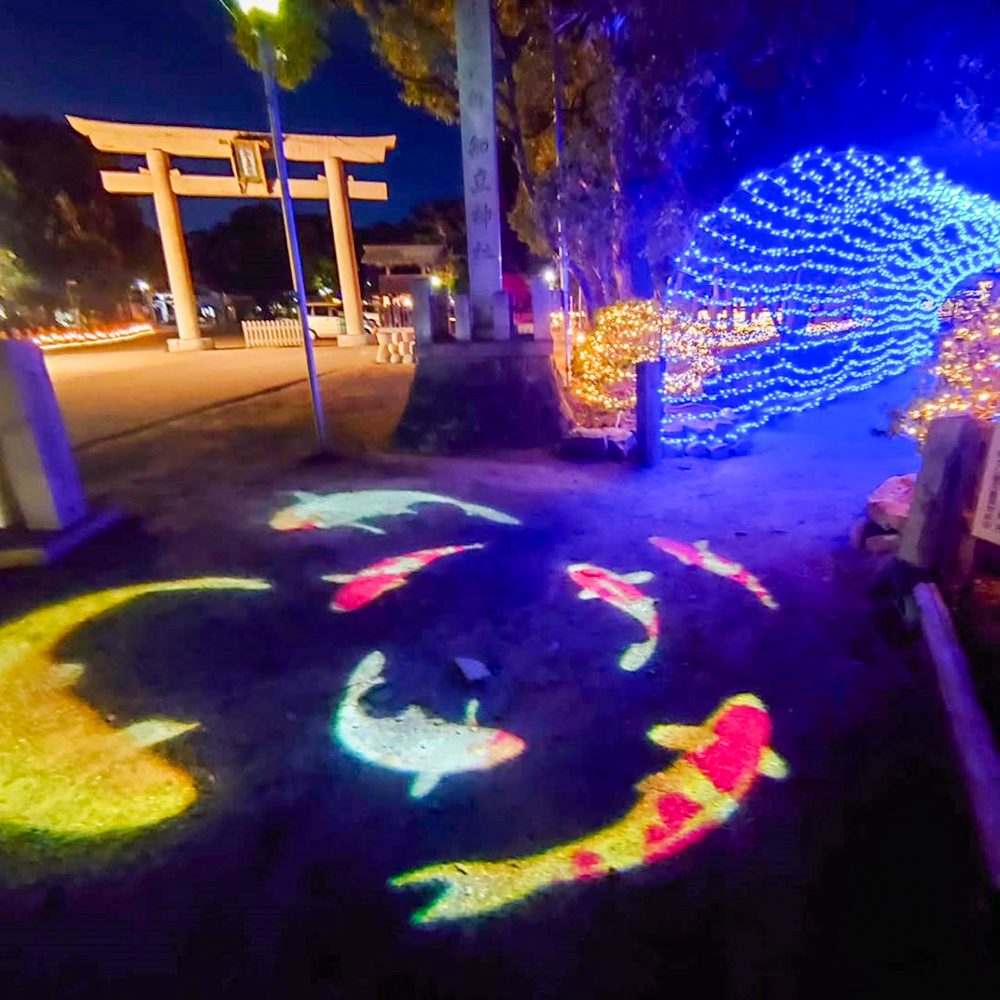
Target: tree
(61, 224)
(14, 277)
(298, 36)
(641, 85)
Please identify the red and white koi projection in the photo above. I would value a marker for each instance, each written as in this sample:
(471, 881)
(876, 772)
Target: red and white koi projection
(677, 808)
(703, 557)
(362, 588)
(620, 592)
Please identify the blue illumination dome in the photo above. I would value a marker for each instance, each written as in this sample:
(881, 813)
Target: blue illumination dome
(826, 276)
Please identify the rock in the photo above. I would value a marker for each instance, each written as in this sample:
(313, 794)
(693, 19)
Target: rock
(584, 444)
(672, 448)
(719, 451)
(882, 543)
(743, 446)
(621, 443)
(472, 670)
(889, 505)
(859, 533)
(596, 443)
(697, 449)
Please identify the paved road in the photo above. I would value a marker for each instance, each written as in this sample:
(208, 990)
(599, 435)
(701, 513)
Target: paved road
(105, 392)
(854, 875)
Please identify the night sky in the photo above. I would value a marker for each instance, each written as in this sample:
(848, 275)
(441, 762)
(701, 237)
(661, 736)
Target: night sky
(173, 63)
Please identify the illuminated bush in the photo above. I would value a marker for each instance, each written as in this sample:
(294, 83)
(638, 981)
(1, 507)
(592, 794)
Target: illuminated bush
(624, 334)
(965, 378)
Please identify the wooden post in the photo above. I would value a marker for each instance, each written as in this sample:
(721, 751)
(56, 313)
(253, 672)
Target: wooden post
(343, 242)
(168, 219)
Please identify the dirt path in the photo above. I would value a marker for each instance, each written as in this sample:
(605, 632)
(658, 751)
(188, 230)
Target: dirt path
(855, 875)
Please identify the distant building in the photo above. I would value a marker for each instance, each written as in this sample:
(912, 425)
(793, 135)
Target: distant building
(399, 263)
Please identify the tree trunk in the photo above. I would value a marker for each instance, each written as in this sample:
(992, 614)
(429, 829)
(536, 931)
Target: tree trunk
(620, 259)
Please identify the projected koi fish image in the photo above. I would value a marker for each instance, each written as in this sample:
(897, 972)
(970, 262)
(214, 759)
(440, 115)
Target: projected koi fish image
(621, 593)
(677, 808)
(413, 741)
(355, 509)
(361, 589)
(63, 769)
(703, 557)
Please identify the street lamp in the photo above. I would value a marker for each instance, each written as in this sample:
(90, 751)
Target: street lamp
(266, 59)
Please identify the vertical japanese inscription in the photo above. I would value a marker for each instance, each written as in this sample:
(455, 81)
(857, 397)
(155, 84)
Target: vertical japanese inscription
(474, 33)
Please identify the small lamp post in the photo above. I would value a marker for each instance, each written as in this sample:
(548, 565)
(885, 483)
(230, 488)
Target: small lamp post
(266, 60)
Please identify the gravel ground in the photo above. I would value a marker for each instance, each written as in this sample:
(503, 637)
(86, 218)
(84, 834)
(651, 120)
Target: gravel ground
(857, 875)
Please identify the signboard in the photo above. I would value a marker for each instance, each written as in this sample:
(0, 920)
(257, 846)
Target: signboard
(248, 163)
(474, 34)
(986, 524)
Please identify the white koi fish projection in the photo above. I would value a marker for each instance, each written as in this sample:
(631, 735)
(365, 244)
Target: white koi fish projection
(413, 741)
(354, 509)
(620, 592)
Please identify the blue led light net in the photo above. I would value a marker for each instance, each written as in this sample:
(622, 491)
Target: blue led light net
(851, 256)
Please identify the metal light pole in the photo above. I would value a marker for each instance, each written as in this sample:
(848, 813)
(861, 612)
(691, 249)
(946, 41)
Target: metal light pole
(265, 56)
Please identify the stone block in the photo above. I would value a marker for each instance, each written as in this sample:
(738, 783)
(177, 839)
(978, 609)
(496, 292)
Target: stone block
(584, 444)
(481, 395)
(39, 476)
(178, 344)
(889, 504)
(945, 491)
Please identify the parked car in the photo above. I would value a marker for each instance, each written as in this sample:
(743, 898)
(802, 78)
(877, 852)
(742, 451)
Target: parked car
(326, 320)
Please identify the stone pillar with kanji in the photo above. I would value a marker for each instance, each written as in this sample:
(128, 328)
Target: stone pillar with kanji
(474, 36)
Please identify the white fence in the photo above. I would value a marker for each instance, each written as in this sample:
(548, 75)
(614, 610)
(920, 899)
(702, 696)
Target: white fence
(272, 332)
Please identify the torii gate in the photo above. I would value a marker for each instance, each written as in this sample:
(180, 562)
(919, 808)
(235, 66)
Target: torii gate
(244, 149)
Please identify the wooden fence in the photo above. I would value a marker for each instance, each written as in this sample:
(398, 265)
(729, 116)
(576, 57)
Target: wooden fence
(272, 332)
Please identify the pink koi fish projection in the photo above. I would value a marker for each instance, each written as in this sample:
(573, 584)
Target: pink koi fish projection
(362, 588)
(621, 593)
(703, 557)
(677, 808)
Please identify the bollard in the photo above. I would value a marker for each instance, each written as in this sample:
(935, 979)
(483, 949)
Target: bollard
(39, 474)
(649, 412)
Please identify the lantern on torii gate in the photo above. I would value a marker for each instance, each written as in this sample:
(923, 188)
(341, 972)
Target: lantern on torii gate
(246, 151)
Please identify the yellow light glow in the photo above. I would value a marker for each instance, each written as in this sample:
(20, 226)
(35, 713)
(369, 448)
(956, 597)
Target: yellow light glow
(965, 377)
(630, 332)
(56, 339)
(63, 769)
(677, 807)
(272, 7)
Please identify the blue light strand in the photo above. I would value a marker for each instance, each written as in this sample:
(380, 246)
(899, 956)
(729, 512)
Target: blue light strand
(829, 237)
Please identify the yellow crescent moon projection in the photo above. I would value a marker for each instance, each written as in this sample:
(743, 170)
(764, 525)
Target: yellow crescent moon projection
(63, 769)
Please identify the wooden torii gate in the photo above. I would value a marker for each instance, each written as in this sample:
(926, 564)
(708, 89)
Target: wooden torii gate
(249, 180)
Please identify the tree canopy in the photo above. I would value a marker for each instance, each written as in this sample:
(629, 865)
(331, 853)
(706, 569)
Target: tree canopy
(60, 224)
(667, 106)
(298, 35)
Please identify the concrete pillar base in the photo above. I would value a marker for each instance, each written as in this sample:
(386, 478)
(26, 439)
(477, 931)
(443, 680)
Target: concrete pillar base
(192, 344)
(467, 397)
